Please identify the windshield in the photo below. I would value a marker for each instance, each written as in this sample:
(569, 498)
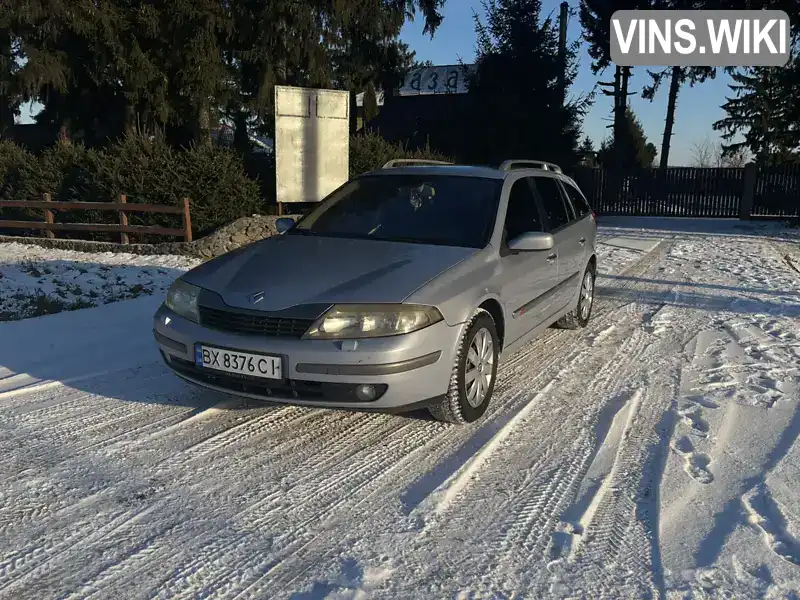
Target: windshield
(425, 209)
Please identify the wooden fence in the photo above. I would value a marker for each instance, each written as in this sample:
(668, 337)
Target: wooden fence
(747, 192)
(121, 206)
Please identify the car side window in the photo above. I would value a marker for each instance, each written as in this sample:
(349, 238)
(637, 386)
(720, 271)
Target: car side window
(522, 214)
(568, 203)
(552, 202)
(582, 207)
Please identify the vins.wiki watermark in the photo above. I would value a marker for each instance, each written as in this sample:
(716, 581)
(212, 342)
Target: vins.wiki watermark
(716, 38)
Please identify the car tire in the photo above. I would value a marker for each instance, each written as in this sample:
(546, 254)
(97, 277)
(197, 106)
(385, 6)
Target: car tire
(580, 315)
(465, 403)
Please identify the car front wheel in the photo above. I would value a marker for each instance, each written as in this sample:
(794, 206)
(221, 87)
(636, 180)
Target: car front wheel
(474, 372)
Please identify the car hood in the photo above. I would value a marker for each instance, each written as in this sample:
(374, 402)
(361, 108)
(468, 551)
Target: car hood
(295, 269)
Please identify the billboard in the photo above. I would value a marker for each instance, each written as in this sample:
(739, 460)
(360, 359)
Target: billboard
(447, 79)
(312, 142)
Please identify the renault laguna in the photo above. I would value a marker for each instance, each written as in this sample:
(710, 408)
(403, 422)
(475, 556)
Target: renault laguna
(401, 290)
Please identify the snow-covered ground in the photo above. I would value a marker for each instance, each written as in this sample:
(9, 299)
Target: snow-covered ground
(653, 454)
(35, 281)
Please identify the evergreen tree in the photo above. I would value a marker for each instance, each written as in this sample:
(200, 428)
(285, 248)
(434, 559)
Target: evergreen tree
(587, 152)
(634, 151)
(764, 110)
(595, 17)
(9, 98)
(177, 65)
(679, 76)
(516, 107)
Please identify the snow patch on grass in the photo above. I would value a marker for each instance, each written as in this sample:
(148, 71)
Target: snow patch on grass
(37, 281)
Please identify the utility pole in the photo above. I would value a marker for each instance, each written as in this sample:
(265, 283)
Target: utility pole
(562, 51)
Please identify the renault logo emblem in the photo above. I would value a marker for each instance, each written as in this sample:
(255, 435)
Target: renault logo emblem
(256, 298)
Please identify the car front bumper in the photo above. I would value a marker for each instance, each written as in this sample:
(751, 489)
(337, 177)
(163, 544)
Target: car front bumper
(414, 369)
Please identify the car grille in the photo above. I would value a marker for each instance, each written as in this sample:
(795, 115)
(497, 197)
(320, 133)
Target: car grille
(253, 324)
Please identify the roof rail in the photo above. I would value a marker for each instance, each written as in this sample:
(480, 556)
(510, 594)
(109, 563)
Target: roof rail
(413, 161)
(534, 164)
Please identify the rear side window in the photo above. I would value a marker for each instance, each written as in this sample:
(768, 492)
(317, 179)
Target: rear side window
(522, 214)
(578, 201)
(552, 202)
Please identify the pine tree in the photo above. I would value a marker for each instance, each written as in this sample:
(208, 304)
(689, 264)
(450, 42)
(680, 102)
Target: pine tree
(178, 65)
(342, 45)
(587, 153)
(516, 106)
(9, 96)
(634, 150)
(595, 17)
(764, 110)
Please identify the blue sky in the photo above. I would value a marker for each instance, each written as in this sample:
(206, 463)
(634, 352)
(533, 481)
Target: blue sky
(697, 108)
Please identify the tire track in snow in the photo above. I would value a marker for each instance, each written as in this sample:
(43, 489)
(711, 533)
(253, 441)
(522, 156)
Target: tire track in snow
(19, 564)
(52, 499)
(555, 470)
(611, 442)
(63, 515)
(264, 512)
(163, 507)
(617, 556)
(312, 499)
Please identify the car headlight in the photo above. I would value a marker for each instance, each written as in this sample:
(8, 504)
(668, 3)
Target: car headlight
(182, 299)
(353, 321)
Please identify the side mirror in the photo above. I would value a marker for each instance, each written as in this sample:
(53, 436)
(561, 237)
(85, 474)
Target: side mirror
(284, 224)
(531, 241)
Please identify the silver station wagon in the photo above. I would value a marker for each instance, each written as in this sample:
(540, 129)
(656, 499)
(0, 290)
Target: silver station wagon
(400, 290)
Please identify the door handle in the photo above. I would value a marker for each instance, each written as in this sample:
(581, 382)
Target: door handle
(582, 241)
(551, 258)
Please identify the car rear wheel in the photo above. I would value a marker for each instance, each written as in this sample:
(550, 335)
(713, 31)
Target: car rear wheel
(474, 373)
(579, 317)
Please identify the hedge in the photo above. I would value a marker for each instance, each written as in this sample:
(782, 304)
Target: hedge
(370, 151)
(146, 170)
(221, 184)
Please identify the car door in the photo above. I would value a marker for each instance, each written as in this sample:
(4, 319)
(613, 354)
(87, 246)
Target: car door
(560, 221)
(526, 277)
(585, 224)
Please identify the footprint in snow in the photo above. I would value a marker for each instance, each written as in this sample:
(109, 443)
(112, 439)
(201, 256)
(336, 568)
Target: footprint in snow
(766, 514)
(691, 416)
(695, 464)
(702, 401)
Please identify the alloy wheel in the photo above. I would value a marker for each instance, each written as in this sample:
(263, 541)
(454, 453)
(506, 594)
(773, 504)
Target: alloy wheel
(587, 295)
(479, 367)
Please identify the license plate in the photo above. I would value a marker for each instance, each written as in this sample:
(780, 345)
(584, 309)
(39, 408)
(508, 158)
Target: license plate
(241, 363)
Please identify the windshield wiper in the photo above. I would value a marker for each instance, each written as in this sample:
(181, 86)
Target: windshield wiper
(302, 231)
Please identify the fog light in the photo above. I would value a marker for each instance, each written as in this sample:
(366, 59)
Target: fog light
(366, 393)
